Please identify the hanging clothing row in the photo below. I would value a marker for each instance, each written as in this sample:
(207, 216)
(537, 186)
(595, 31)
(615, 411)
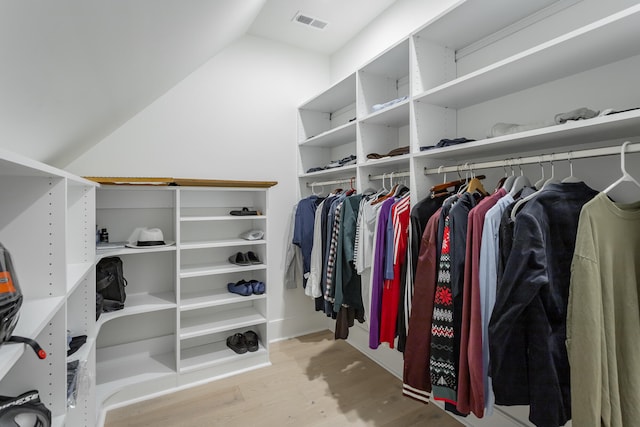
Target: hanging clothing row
(340, 236)
(488, 320)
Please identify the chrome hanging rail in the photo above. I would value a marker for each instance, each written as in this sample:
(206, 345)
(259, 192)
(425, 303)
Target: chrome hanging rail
(543, 158)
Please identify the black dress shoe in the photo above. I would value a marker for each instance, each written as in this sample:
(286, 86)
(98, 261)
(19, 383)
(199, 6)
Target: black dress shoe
(237, 343)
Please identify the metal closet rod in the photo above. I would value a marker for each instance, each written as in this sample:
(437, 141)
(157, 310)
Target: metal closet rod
(335, 181)
(389, 175)
(543, 158)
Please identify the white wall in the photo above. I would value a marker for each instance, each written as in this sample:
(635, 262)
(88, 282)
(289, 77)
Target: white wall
(391, 26)
(233, 118)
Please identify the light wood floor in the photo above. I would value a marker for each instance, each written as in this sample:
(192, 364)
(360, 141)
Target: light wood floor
(313, 381)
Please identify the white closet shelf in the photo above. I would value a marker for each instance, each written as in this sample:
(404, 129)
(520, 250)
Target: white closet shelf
(41, 311)
(216, 353)
(75, 273)
(464, 15)
(212, 269)
(195, 300)
(141, 303)
(211, 323)
(334, 172)
(614, 127)
(102, 253)
(393, 62)
(118, 373)
(388, 161)
(340, 135)
(221, 218)
(221, 243)
(337, 96)
(602, 42)
(396, 115)
(9, 355)
(59, 421)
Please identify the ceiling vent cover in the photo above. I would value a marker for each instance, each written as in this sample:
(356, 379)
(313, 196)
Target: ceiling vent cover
(309, 21)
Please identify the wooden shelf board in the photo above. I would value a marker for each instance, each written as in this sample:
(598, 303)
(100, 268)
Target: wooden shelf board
(212, 269)
(605, 41)
(216, 353)
(195, 300)
(221, 243)
(607, 128)
(221, 218)
(219, 322)
(396, 115)
(75, 273)
(341, 135)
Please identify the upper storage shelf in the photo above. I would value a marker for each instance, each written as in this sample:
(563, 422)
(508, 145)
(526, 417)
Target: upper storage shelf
(602, 42)
(331, 111)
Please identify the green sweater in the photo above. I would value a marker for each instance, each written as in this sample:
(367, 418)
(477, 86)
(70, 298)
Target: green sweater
(603, 321)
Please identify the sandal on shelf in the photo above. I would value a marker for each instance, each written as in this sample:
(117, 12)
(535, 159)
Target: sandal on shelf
(244, 212)
(239, 259)
(237, 343)
(242, 287)
(251, 340)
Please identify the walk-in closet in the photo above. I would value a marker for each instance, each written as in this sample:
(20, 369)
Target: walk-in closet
(284, 212)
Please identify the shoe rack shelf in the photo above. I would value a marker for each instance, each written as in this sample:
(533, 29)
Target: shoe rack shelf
(212, 298)
(464, 71)
(178, 311)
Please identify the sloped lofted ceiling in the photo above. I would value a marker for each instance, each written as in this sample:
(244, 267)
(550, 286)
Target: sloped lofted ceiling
(73, 71)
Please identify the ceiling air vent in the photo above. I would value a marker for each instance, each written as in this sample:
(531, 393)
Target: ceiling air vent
(309, 21)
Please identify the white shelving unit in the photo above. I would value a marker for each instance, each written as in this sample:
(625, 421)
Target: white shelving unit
(472, 67)
(47, 226)
(178, 312)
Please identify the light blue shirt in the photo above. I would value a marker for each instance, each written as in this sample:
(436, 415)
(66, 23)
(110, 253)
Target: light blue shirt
(488, 277)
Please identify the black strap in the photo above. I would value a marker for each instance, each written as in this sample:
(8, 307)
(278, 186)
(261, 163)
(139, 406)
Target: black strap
(32, 343)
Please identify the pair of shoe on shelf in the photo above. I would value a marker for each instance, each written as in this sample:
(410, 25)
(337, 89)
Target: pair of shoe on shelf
(245, 288)
(241, 343)
(247, 258)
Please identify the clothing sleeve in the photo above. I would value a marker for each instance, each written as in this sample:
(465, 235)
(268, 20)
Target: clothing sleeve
(416, 382)
(525, 273)
(313, 288)
(585, 337)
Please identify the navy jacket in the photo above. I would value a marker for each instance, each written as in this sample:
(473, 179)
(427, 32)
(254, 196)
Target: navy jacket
(527, 330)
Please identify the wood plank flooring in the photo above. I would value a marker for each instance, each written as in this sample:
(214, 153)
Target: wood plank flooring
(313, 381)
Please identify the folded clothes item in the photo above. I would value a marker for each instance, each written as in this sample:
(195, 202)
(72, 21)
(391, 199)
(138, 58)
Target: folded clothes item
(577, 114)
(446, 143)
(349, 160)
(500, 129)
(395, 152)
(378, 107)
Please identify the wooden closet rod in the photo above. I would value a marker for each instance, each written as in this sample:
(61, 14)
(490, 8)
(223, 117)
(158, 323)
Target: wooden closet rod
(543, 158)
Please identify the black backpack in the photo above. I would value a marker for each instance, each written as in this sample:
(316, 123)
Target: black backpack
(110, 283)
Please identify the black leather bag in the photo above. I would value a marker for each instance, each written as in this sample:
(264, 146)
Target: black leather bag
(110, 283)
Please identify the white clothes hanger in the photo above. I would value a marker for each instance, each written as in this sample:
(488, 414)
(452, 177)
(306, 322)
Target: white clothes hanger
(625, 175)
(508, 183)
(571, 177)
(519, 183)
(313, 189)
(538, 185)
(552, 179)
